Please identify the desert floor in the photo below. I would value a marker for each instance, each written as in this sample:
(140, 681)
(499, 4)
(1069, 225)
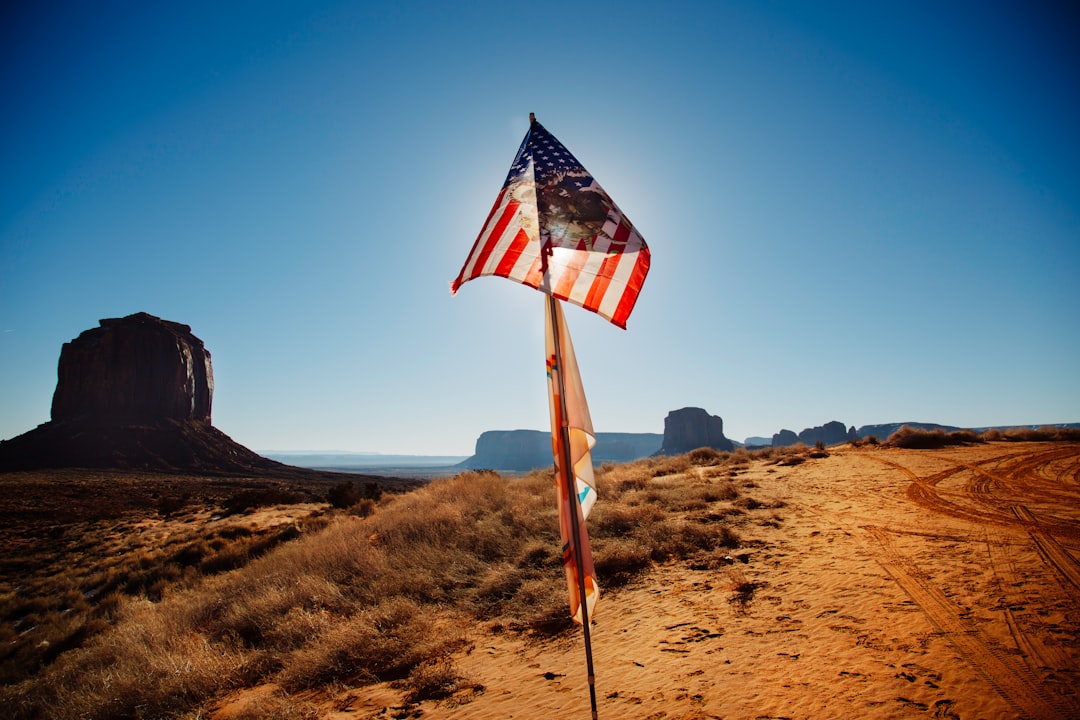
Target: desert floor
(888, 583)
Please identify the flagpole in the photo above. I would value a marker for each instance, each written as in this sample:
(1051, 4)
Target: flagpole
(572, 495)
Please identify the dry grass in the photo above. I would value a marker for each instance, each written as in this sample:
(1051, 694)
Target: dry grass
(351, 599)
(919, 439)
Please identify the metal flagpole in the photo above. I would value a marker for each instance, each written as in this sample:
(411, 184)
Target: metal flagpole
(572, 496)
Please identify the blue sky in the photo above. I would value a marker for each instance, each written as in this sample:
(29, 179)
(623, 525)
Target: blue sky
(865, 212)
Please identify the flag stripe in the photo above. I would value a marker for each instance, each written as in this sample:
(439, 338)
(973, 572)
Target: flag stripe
(632, 286)
(485, 241)
(495, 236)
(602, 281)
(569, 267)
(513, 253)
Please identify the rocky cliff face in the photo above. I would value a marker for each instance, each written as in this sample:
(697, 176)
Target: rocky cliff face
(691, 428)
(135, 393)
(134, 368)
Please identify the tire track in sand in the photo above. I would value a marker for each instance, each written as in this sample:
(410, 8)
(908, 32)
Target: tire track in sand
(1056, 557)
(1011, 581)
(1015, 683)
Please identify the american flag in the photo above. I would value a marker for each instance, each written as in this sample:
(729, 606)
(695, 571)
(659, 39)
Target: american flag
(554, 228)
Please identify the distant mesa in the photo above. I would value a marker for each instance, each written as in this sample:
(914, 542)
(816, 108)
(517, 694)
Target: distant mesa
(691, 428)
(134, 393)
(784, 438)
(831, 433)
(524, 450)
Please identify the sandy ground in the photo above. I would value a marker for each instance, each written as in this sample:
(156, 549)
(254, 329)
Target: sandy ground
(890, 584)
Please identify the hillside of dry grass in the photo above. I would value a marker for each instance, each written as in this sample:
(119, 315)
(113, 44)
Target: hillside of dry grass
(154, 613)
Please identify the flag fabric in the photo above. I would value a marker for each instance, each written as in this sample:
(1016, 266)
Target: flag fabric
(554, 228)
(581, 438)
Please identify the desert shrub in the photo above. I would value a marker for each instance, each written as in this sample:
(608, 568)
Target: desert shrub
(619, 560)
(434, 680)
(618, 480)
(192, 553)
(346, 494)
(742, 589)
(704, 456)
(1048, 433)
(540, 606)
(363, 508)
(252, 498)
(168, 505)
(624, 519)
(748, 503)
(919, 439)
(671, 465)
(496, 589)
(719, 491)
(383, 643)
(278, 705)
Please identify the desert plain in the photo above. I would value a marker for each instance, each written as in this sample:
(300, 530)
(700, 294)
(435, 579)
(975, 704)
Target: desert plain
(867, 582)
(891, 584)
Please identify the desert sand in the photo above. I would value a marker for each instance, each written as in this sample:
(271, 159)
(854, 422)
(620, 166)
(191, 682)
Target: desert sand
(887, 583)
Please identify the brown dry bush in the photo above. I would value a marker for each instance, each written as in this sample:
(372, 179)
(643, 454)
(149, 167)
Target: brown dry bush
(434, 680)
(1047, 433)
(706, 456)
(278, 705)
(919, 439)
(384, 643)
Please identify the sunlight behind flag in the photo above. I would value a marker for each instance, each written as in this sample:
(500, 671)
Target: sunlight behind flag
(580, 437)
(555, 229)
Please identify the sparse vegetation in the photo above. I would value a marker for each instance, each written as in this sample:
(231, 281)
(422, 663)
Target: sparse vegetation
(919, 439)
(1048, 433)
(382, 593)
(346, 494)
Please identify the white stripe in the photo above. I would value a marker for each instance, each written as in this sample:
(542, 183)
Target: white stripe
(615, 290)
(585, 280)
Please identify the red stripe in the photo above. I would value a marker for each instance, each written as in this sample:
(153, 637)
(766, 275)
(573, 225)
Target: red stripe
(601, 282)
(494, 237)
(633, 287)
(461, 279)
(510, 257)
(486, 241)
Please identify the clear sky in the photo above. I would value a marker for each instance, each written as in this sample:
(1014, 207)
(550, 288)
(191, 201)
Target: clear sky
(857, 211)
